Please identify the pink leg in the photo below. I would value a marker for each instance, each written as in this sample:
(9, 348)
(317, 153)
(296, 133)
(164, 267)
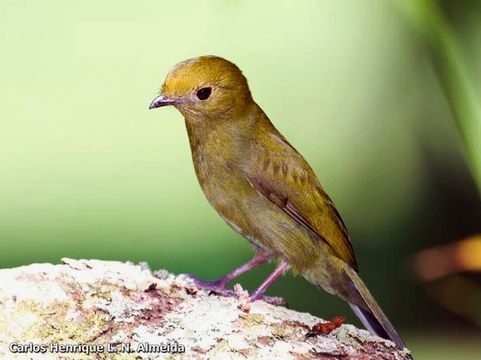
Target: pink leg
(260, 258)
(259, 293)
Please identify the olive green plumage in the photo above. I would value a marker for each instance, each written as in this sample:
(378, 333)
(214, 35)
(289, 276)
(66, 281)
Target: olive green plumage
(261, 186)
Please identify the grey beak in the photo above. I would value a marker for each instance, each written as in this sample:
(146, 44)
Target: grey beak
(161, 100)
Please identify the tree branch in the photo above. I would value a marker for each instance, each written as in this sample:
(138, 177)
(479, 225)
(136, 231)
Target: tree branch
(103, 309)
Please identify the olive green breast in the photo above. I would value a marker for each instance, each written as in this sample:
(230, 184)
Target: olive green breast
(221, 173)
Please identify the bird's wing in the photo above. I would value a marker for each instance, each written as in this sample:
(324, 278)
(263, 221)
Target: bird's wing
(281, 174)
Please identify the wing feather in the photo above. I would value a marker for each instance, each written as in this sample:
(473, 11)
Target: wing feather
(282, 175)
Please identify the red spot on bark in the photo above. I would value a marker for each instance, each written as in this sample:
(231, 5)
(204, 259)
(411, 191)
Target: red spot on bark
(324, 328)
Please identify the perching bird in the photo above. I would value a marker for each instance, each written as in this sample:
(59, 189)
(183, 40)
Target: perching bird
(263, 188)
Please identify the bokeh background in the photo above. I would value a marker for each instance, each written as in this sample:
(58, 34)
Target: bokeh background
(381, 97)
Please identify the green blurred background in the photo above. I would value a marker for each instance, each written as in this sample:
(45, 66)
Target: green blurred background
(86, 171)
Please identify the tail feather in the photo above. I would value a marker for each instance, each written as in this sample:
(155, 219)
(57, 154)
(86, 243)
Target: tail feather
(370, 313)
(375, 327)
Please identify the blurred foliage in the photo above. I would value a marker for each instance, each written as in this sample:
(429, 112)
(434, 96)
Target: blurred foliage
(369, 99)
(441, 268)
(453, 71)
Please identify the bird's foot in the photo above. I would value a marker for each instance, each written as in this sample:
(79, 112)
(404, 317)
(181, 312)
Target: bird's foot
(219, 287)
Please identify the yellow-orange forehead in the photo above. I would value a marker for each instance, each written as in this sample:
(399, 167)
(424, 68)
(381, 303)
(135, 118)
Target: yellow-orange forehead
(202, 71)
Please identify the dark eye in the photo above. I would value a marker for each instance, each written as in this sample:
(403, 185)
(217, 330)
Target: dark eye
(204, 93)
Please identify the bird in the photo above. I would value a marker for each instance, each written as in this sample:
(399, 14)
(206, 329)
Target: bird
(263, 188)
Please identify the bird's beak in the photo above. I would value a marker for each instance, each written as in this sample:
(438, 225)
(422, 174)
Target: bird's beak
(162, 100)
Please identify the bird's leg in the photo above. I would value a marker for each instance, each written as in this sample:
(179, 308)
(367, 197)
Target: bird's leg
(219, 285)
(259, 293)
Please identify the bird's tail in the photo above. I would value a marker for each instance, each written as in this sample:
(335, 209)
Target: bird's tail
(369, 312)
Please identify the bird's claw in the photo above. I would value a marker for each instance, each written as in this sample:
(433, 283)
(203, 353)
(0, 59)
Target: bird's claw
(218, 287)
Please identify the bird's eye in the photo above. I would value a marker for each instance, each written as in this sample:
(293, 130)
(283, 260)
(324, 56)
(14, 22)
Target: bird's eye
(204, 93)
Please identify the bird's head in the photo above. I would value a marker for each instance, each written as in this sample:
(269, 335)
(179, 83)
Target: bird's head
(205, 87)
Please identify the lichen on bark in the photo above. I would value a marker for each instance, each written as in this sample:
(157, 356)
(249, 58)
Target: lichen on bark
(118, 310)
